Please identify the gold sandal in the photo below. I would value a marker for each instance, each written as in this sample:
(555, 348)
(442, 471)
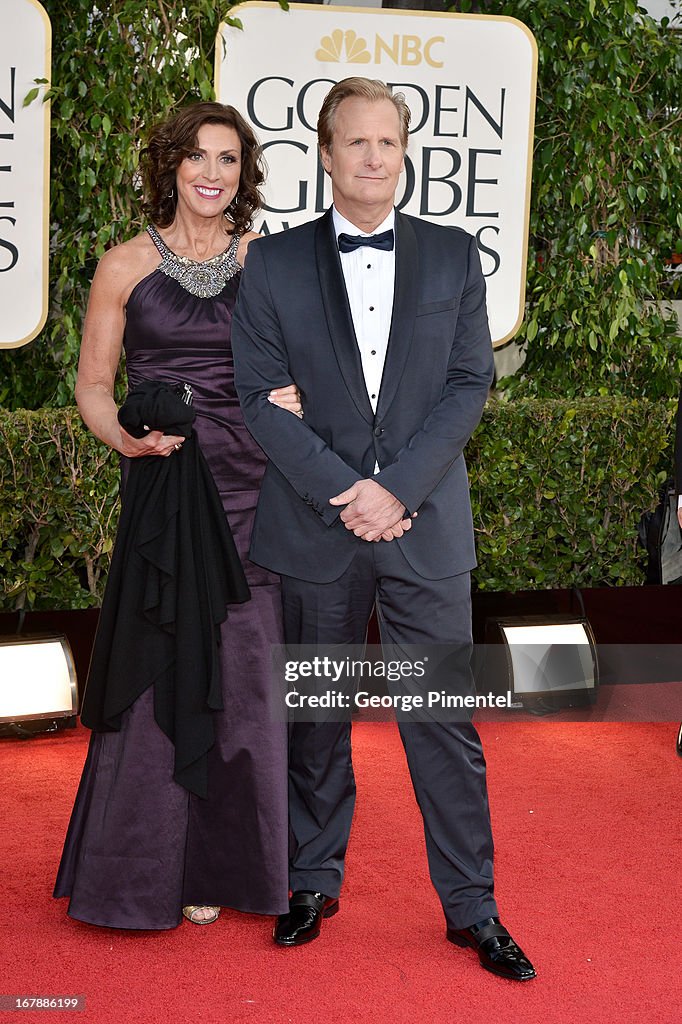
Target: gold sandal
(190, 911)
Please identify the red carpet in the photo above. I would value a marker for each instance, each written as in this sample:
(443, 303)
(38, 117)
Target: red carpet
(587, 828)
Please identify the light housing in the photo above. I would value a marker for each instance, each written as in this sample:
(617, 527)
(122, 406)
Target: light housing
(37, 679)
(550, 660)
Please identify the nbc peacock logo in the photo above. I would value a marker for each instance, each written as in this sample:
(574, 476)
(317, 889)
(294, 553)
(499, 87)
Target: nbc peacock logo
(332, 47)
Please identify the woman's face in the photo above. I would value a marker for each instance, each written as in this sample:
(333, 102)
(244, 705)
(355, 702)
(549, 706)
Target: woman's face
(207, 180)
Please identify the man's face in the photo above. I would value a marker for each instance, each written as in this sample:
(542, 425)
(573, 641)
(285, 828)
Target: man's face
(365, 159)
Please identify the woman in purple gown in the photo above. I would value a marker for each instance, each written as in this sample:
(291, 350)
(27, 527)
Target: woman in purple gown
(140, 849)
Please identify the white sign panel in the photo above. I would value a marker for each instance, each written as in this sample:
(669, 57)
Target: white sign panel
(470, 83)
(24, 172)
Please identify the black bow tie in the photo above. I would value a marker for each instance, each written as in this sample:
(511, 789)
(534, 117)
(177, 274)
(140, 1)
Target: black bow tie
(349, 243)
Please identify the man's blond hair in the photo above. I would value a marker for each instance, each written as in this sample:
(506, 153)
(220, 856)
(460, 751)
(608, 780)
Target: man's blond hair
(364, 88)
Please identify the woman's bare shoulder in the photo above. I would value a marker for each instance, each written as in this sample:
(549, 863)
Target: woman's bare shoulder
(135, 251)
(124, 265)
(244, 243)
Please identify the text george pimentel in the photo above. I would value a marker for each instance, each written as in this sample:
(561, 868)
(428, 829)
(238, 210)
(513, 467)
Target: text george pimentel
(401, 702)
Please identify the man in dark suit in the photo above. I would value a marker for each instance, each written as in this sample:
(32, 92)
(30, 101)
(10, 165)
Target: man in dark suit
(381, 320)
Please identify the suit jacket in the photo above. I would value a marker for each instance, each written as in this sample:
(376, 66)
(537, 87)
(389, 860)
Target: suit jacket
(292, 322)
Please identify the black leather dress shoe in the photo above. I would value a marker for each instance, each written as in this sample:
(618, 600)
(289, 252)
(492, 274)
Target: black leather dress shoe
(303, 922)
(496, 949)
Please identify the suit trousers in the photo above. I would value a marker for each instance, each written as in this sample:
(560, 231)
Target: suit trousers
(445, 758)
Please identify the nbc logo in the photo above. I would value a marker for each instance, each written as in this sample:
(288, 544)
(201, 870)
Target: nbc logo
(331, 48)
(350, 48)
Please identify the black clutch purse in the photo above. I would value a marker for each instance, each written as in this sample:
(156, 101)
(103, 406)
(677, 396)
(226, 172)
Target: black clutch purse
(158, 405)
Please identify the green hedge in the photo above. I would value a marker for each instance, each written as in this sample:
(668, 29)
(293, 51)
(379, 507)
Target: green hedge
(58, 510)
(557, 489)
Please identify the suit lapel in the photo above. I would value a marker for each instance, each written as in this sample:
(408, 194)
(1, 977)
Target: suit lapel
(337, 311)
(404, 311)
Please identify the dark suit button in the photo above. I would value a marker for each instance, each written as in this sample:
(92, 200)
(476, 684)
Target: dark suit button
(378, 432)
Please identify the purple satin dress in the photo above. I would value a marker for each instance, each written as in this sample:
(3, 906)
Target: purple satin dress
(139, 846)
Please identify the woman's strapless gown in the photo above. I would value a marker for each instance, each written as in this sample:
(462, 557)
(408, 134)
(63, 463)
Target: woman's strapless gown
(139, 846)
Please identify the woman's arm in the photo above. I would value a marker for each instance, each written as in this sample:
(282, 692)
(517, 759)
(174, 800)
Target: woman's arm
(101, 353)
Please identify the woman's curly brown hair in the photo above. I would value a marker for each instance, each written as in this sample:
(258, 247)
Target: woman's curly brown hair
(174, 139)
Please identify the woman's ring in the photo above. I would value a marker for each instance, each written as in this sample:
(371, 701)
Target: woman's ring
(177, 447)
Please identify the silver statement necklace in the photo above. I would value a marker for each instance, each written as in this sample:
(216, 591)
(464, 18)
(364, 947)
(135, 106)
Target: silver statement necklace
(206, 279)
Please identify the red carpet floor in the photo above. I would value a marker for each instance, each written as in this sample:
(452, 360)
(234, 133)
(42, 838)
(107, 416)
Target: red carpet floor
(587, 827)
